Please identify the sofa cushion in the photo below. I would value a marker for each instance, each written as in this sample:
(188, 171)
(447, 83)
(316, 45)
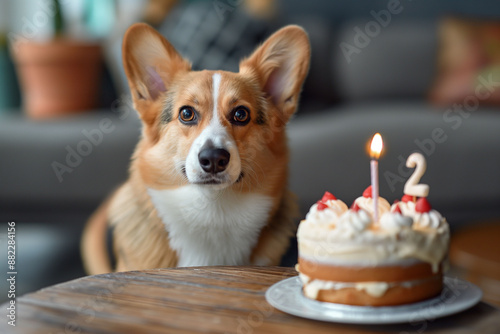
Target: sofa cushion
(53, 163)
(398, 62)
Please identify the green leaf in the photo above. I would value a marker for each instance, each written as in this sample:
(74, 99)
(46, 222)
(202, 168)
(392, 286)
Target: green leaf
(58, 19)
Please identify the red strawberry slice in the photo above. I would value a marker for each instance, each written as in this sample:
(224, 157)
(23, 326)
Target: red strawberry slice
(328, 196)
(422, 205)
(368, 192)
(407, 198)
(397, 210)
(355, 207)
(321, 206)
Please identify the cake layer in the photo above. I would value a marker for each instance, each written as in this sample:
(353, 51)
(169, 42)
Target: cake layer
(394, 294)
(392, 273)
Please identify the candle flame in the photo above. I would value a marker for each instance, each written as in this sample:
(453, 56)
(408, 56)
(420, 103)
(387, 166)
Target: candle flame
(376, 146)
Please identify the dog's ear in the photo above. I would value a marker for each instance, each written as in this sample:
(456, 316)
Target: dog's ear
(150, 63)
(281, 65)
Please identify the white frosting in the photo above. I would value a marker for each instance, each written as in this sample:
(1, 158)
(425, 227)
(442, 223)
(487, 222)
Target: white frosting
(375, 289)
(366, 203)
(354, 240)
(395, 221)
(407, 208)
(431, 219)
(352, 223)
(337, 205)
(374, 247)
(329, 215)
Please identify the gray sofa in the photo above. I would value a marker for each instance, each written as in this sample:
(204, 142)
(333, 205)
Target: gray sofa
(383, 89)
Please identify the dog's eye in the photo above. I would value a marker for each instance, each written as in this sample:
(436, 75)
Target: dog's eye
(240, 116)
(187, 115)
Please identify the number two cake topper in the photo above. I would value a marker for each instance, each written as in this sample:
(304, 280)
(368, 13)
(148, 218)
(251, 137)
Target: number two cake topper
(412, 187)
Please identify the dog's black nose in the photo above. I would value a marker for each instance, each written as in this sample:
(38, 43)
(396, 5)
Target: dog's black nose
(213, 160)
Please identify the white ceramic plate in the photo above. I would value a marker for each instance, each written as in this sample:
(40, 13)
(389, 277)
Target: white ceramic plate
(457, 295)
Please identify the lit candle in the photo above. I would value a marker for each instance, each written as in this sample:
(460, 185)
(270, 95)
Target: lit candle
(375, 150)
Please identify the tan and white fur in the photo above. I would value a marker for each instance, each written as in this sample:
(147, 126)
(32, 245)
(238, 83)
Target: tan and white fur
(208, 179)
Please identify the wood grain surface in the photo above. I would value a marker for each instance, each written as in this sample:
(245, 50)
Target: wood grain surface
(204, 299)
(475, 251)
(477, 248)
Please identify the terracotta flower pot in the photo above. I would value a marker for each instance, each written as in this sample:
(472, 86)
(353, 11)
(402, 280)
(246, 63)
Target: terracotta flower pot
(58, 77)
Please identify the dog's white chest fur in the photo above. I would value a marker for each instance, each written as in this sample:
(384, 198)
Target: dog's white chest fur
(211, 228)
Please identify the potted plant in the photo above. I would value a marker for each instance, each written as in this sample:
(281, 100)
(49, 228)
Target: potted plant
(60, 75)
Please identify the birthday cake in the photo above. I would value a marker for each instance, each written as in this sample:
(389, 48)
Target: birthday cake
(347, 256)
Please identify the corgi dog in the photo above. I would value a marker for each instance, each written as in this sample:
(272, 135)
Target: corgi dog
(208, 179)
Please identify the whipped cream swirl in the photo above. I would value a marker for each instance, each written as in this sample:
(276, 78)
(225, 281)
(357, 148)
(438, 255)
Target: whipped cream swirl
(329, 215)
(337, 206)
(407, 208)
(366, 203)
(391, 221)
(354, 222)
(431, 219)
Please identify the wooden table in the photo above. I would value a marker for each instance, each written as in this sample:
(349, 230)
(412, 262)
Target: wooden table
(204, 299)
(475, 252)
